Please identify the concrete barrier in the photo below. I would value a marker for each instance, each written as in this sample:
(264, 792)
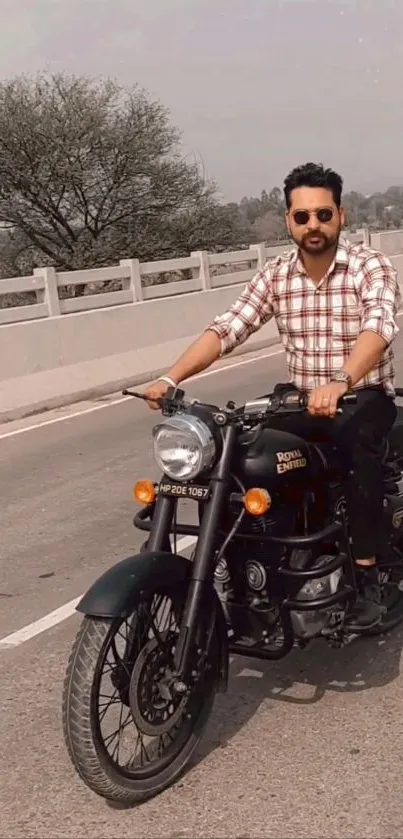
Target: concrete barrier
(49, 363)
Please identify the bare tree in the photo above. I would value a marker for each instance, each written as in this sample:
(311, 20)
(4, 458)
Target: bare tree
(270, 227)
(91, 173)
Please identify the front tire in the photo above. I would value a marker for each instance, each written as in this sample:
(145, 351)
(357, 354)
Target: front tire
(130, 783)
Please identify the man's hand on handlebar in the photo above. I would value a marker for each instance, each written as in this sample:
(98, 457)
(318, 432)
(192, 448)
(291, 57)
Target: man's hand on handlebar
(156, 390)
(323, 400)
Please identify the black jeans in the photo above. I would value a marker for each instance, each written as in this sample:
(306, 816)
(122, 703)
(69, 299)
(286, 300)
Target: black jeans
(359, 436)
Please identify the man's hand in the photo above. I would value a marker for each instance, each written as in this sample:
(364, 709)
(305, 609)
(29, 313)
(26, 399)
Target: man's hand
(154, 391)
(323, 400)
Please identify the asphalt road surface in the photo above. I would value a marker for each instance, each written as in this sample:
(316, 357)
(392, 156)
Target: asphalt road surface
(309, 747)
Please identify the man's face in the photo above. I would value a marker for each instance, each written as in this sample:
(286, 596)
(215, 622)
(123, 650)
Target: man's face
(313, 220)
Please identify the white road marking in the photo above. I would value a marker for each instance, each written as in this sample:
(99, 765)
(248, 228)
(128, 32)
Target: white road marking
(37, 627)
(62, 419)
(26, 633)
(121, 399)
(184, 543)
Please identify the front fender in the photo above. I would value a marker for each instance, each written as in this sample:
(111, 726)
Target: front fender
(115, 593)
(112, 595)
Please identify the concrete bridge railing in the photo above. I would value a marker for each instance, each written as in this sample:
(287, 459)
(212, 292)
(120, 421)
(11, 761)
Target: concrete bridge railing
(138, 282)
(57, 350)
(51, 293)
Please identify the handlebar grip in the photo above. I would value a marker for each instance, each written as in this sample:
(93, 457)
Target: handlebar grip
(138, 395)
(297, 401)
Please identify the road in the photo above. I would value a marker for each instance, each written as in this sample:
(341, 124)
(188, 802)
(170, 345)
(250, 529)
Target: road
(309, 747)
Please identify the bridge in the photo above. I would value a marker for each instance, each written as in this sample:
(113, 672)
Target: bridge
(287, 749)
(131, 322)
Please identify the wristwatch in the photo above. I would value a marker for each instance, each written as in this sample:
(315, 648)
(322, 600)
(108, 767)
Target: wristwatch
(342, 377)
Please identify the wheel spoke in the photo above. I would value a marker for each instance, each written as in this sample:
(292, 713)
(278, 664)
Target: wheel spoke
(143, 750)
(121, 727)
(115, 751)
(114, 700)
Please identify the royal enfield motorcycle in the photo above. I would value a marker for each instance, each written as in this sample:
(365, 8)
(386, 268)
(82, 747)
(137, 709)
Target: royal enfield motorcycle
(271, 569)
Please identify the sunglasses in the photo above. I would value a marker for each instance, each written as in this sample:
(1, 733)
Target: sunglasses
(324, 215)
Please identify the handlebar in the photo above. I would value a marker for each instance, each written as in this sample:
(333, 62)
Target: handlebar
(293, 402)
(252, 412)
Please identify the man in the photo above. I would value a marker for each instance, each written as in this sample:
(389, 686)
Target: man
(335, 304)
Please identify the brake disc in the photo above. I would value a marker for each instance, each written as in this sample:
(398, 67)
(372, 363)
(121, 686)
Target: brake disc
(154, 705)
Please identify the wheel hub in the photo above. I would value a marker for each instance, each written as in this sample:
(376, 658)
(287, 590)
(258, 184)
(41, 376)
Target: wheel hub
(155, 706)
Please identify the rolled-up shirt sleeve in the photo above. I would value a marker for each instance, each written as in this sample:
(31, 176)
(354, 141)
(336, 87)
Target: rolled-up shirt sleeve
(250, 312)
(380, 297)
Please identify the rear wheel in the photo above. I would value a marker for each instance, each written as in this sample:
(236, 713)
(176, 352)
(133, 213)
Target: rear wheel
(119, 673)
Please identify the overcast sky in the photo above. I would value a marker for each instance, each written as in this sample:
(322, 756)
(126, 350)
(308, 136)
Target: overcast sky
(256, 86)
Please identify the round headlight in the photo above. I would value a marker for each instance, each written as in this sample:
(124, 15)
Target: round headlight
(183, 447)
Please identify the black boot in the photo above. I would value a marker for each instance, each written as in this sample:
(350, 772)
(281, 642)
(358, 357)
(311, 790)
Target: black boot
(366, 612)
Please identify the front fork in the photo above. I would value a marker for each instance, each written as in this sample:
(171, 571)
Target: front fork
(201, 573)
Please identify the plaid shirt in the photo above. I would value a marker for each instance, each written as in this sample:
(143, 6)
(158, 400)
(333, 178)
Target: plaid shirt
(319, 325)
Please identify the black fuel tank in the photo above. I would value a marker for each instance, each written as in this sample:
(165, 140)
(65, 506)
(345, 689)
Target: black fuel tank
(272, 457)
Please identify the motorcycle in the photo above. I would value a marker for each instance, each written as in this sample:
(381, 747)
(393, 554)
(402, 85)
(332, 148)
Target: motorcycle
(272, 568)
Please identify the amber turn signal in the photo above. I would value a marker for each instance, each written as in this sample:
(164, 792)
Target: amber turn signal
(144, 492)
(257, 501)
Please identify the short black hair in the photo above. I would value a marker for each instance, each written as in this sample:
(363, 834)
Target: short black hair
(313, 175)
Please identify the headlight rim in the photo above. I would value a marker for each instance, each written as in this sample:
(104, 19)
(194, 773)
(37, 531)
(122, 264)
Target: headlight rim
(196, 427)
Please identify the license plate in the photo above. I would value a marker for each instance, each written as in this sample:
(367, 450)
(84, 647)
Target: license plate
(198, 493)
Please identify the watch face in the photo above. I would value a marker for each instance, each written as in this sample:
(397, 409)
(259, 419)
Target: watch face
(342, 377)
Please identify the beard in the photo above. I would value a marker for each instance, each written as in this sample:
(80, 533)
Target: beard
(316, 244)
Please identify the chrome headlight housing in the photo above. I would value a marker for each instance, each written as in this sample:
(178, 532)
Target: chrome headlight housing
(184, 447)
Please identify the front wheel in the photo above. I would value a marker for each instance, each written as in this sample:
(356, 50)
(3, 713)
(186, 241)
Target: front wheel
(119, 672)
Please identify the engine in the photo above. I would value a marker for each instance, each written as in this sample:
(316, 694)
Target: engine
(243, 575)
(248, 583)
(309, 624)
